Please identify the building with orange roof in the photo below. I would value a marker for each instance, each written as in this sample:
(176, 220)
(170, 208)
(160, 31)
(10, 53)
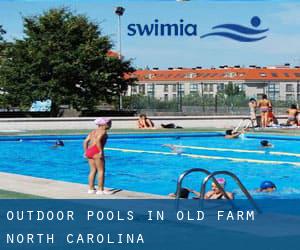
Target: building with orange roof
(278, 82)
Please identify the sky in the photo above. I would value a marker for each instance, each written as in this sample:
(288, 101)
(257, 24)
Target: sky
(282, 18)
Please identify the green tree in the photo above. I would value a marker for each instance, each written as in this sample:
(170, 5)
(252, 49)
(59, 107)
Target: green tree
(2, 32)
(62, 57)
(233, 90)
(2, 43)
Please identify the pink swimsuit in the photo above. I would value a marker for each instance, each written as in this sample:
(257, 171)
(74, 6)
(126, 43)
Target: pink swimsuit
(92, 151)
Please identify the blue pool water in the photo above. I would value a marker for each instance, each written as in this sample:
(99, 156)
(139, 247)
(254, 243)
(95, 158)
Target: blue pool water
(142, 163)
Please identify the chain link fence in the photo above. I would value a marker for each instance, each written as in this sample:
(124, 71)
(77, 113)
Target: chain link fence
(198, 105)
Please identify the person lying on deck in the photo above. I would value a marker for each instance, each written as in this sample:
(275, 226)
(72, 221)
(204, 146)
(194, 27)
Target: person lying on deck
(145, 123)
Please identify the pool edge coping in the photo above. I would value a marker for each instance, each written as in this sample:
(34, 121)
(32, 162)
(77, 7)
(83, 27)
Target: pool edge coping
(53, 189)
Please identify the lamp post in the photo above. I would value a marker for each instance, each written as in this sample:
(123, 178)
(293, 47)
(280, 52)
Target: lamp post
(119, 11)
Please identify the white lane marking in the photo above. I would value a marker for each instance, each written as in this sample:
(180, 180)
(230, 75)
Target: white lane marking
(239, 150)
(222, 149)
(205, 156)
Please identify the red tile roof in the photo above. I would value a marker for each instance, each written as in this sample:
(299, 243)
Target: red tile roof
(112, 53)
(222, 74)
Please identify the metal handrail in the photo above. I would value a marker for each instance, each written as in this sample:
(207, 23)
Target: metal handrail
(236, 179)
(202, 170)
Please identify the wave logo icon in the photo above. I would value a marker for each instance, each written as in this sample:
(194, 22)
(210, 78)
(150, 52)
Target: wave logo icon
(243, 33)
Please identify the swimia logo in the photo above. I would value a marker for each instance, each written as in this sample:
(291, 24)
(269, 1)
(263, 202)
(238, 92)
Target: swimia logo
(231, 31)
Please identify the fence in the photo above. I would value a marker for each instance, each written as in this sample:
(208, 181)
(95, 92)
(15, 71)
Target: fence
(197, 105)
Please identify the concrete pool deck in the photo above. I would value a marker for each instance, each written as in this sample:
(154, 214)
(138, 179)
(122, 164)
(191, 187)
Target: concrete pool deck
(53, 189)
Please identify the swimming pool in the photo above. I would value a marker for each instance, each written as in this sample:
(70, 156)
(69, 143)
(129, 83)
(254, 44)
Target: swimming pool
(140, 162)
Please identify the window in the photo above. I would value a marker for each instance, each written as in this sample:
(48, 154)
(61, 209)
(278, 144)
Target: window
(150, 87)
(134, 89)
(286, 74)
(194, 87)
(273, 91)
(211, 87)
(274, 74)
(149, 76)
(166, 88)
(166, 97)
(190, 75)
(263, 74)
(230, 74)
(205, 87)
(181, 87)
(289, 97)
(241, 86)
(298, 97)
(221, 87)
(142, 89)
(289, 88)
(174, 96)
(273, 87)
(174, 88)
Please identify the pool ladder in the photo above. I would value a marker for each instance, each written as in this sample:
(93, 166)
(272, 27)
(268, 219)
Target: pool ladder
(211, 176)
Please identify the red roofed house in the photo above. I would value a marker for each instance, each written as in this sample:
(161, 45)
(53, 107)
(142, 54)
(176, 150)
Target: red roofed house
(279, 83)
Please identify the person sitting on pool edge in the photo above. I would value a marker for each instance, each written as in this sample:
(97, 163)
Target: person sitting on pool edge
(145, 123)
(266, 144)
(267, 187)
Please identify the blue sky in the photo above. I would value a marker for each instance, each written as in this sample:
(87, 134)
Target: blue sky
(282, 44)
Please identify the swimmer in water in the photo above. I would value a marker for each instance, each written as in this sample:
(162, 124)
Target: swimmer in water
(174, 148)
(58, 143)
(232, 134)
(216, 193)
(266, 144)
(267, 187)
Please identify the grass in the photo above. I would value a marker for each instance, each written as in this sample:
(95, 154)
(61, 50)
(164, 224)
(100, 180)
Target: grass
(13, 195)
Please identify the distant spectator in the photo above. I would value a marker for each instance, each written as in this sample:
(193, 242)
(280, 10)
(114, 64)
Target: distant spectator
(252, 106)
(170, 125)
(264, 104)
(292, 115)
(272, 120)
(145, 123)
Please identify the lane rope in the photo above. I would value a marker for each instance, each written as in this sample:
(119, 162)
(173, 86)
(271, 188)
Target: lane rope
(239, 150)
(204, 156)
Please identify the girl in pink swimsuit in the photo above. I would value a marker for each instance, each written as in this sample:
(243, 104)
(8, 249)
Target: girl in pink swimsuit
(93, 147)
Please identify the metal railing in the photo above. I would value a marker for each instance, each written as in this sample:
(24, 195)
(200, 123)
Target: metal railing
(236, 179)
(209, 176)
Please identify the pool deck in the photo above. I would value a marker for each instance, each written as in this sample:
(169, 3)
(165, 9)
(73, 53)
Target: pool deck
(62, 190)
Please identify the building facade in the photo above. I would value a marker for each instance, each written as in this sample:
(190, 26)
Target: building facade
(279, 83)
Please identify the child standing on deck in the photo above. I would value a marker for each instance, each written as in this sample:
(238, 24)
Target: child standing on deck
(93, 147)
